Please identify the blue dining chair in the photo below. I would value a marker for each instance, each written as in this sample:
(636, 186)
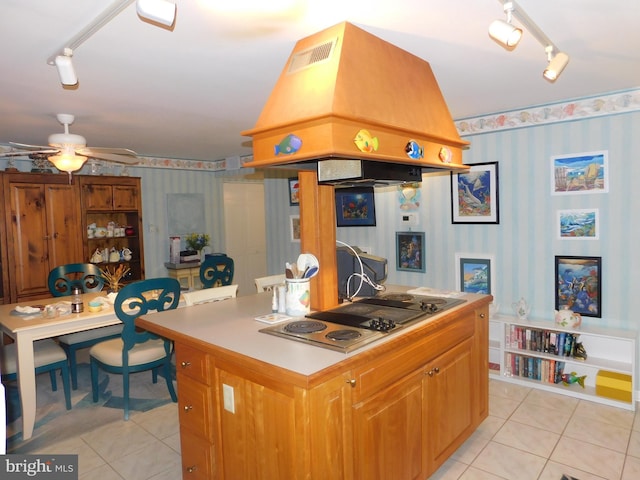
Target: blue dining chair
(88, 277)
(216, 270)
(137, 350)
(85, 275)
(47, 357)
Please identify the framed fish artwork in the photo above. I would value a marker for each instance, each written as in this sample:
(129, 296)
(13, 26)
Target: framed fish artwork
(294, 187)
(579, 285)
(355, 207)
(410, 252)
(474, 194)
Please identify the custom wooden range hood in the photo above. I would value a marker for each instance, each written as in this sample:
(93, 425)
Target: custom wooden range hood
(358, 109)
(343, 80)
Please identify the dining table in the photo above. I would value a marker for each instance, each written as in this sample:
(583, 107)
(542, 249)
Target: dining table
(26, 328)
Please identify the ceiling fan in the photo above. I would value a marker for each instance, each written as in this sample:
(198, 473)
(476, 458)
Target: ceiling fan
(69, 151)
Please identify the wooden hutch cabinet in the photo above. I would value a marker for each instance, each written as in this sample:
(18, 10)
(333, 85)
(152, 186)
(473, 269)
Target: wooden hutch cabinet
(114, 200)
(45, 225)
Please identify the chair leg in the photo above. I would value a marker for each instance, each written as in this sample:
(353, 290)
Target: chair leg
(54, 384)
(154, 375)
(73, 365)
(167, 376)
(94, 379)
(125, 393)
(64, 371)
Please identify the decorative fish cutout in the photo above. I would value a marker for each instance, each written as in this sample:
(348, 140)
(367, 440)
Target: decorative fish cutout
(365, 142)
(570, 378)
(445, 155)
(289, 145)
(414, 150)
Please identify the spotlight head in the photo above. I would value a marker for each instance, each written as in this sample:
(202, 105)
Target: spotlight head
(66, 72)
(556, 66)
(505, 33)
(159, 11)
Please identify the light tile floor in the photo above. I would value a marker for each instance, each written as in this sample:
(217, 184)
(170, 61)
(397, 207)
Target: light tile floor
(528, 435)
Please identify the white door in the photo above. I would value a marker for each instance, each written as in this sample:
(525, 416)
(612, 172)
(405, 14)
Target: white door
(245, 232)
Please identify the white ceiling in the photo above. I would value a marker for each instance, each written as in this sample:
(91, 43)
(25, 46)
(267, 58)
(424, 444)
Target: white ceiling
(189, 91)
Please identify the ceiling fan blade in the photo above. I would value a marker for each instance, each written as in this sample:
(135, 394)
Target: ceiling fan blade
(25, 146)
(112, 157)
(96, 150)
(25, 153)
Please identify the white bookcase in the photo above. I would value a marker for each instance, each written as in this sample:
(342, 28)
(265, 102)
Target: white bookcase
(608, 350)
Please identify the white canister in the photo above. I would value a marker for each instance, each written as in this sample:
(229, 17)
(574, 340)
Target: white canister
(298, 296)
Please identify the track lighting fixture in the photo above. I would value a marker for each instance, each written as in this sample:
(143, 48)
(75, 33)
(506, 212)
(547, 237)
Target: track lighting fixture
(66, 72)
(557, 62)
(159, 11)
(503, 31)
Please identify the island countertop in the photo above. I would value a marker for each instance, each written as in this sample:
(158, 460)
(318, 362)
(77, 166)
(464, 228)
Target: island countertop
(253, 405)
(231, 325)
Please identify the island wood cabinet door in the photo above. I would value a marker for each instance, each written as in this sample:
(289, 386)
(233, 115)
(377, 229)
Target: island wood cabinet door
(388, 432)
(44, 232)
(280, 431)
(409, 429)
(449, 411)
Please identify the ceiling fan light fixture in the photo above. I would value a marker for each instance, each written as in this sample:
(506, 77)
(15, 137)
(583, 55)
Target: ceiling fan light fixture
(66, 162)
(159, 11)
(555, 66)
(66, 72)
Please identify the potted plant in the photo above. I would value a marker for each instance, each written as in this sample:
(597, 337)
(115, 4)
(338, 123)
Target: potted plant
(196, 242)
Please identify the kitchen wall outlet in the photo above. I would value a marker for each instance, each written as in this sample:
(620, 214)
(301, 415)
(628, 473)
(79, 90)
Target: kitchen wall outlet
(411, 219)
(229, 400)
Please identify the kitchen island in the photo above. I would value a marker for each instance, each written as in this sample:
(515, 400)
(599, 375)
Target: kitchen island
(256, 406)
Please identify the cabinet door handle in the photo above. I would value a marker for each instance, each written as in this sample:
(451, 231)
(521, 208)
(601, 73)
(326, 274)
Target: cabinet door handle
(482, 315)
(433, 370)
(352, 382)
(56, 235)
(191, 469)
(46, 237)
(188, 408)
(185, 364)
(436, 369)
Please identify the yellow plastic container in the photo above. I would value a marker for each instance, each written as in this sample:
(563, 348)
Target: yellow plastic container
(614, 385)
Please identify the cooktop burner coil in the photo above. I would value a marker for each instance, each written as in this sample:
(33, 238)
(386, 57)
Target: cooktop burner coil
(343, 335)
(305, 326)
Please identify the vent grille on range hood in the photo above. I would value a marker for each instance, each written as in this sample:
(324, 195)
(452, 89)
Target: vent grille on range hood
(311, 56)
(342, 81)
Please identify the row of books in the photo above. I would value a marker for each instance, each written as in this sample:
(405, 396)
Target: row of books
(541, 369)
(545, 341)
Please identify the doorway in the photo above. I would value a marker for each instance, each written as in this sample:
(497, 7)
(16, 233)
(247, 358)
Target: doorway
(245, 232)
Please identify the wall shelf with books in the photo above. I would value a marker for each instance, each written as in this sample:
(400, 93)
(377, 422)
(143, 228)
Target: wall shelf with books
(537, 353)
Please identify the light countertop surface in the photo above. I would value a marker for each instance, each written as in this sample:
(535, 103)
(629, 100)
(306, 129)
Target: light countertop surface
(231, 324)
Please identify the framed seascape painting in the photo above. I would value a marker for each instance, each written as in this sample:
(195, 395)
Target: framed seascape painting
(579, 224)
(410, 251)
(579, 285)
(474, 273)
(294, 187)
(580, 173)
(474, 194)
(355, 207)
